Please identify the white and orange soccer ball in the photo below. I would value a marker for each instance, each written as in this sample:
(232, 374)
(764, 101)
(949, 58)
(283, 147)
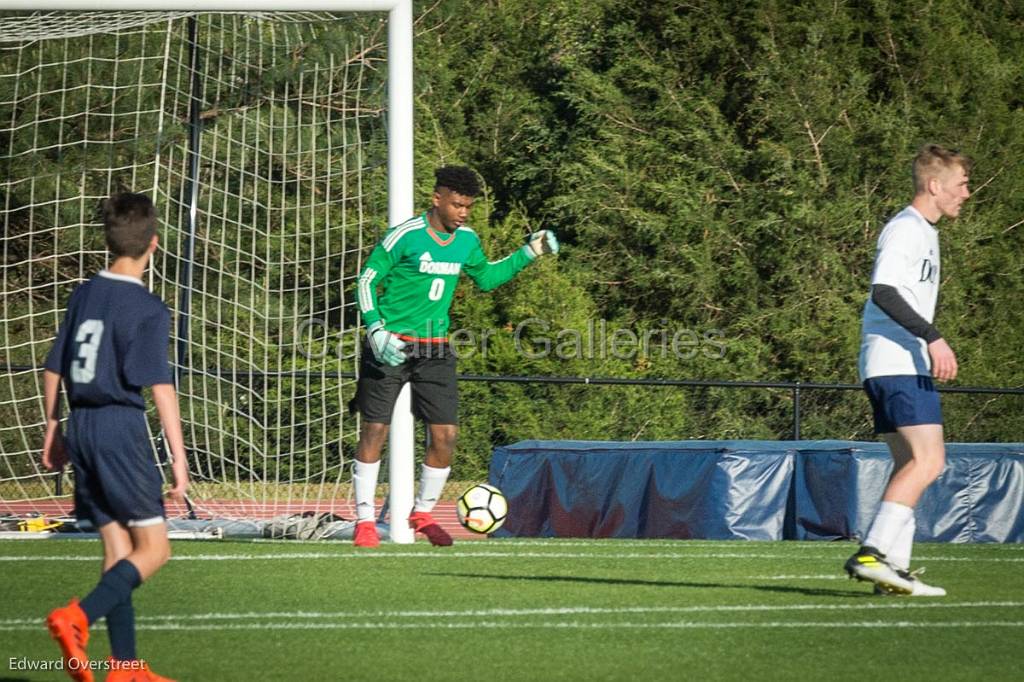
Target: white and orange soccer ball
(482, 509)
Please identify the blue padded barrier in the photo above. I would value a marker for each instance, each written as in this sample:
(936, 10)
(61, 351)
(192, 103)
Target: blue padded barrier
(756, 490)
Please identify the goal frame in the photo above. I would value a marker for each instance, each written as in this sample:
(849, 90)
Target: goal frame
(400, 173)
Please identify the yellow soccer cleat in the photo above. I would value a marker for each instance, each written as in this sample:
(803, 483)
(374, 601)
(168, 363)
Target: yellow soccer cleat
(870, 564)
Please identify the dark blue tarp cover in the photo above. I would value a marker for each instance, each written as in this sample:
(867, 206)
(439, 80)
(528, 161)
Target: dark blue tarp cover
(755, 490)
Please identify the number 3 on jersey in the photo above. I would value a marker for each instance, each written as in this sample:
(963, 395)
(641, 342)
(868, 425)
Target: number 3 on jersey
(436, 290)
(88, 338)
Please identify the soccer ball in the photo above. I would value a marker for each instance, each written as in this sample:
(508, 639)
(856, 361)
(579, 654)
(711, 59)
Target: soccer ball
(482, 509)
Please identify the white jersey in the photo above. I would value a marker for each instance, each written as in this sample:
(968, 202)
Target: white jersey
(907, 258)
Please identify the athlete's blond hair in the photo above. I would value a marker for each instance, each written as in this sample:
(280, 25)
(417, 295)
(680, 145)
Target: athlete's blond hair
(933, 160)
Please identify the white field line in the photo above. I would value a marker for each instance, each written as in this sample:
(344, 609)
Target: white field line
(573, 625)
(555, 625)
(461, 554)
(825, 576)
(496, 543)
(556, 611)
(492, 544)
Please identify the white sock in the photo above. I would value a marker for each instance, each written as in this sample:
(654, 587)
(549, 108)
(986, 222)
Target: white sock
(899, 554)
(364, 478)
(886, 527)
(431, 484)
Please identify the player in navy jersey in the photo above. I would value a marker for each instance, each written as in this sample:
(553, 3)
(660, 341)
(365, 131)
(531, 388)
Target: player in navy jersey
(113, 342)
(901, 352)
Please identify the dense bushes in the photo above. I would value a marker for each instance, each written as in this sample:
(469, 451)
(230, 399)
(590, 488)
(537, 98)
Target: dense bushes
(724, 167)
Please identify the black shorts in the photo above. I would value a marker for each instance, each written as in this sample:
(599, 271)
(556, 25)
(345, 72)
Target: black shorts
(116, 477)
(431, 371)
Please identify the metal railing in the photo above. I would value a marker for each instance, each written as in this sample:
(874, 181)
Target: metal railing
(795, 387)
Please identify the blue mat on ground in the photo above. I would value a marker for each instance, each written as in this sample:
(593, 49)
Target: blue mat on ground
(753, 490)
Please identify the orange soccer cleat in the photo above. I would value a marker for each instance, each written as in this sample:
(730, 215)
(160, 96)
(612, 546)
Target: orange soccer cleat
(70, 628)
(423, 522)
(132, 671)
(366, 534)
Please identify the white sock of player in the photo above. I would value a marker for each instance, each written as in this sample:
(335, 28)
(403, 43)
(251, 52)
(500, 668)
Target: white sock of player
(432, 482)
(364, 477)
(899, 555)
(886, 527)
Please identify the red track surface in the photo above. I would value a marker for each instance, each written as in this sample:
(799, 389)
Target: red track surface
(444, 512)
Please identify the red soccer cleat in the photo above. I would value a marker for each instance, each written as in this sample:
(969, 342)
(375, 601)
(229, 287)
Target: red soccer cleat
(423, 522)
(366, 534)
(132, 671)
(70, 628)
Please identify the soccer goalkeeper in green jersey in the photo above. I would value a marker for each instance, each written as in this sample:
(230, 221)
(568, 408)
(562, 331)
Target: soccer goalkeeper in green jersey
(418, 264)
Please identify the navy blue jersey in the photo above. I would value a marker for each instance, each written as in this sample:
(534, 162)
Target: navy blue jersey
(113, 341)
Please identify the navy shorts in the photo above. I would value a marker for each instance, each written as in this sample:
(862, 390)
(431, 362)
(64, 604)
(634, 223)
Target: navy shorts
(905, 400)
(116, 477)
(431, 371)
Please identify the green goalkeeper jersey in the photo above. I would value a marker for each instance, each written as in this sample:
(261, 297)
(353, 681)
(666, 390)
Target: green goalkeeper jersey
(418, 269)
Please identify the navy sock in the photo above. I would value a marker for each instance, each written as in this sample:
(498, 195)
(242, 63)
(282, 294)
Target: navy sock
(121, 630)
(114, 587)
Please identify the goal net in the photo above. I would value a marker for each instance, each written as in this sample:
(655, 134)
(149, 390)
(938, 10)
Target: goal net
(262, 139)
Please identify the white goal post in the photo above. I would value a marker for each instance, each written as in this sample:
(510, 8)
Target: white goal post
(400, 173)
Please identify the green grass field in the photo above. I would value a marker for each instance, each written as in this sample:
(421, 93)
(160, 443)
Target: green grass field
(534, 610)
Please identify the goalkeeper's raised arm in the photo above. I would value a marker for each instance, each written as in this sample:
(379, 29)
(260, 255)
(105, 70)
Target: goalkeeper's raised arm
(416, 266)
(489, 275)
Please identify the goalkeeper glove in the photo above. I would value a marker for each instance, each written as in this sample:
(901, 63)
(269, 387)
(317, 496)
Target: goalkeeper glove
(386, 347)
(539, 243)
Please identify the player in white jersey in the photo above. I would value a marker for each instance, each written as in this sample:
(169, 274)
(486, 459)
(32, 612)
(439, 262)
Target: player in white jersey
(901, 353)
